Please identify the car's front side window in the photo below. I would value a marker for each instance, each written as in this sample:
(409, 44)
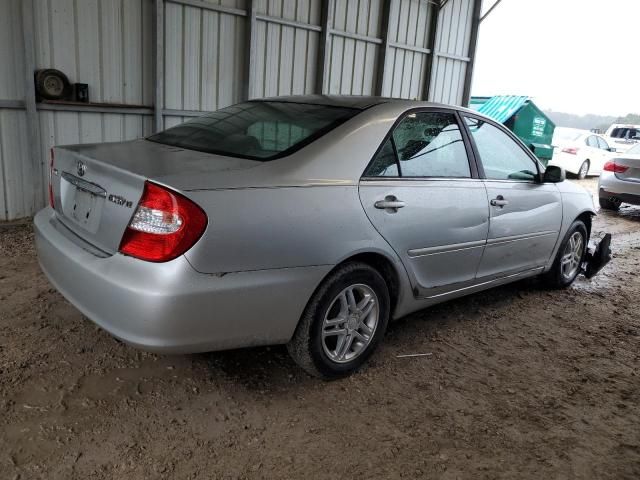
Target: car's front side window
(602, 143)
(592, 141)
(423, 144)
(502, 158)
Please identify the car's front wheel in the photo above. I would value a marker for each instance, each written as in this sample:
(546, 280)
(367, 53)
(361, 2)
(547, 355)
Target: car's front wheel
(570, 256)
(343, 322)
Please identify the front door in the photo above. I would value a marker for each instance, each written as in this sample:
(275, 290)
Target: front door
(525, 215)
(422, 194)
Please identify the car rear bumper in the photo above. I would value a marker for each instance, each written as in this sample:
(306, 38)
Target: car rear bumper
(169, 307)
(611, 186)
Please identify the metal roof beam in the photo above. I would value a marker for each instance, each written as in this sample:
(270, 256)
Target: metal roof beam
(490, 10)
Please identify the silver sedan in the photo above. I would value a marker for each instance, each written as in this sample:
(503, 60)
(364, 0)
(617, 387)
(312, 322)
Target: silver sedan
(620, 180)
(308, 221)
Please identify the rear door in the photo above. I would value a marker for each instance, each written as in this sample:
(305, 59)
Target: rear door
(594, 154)
(525, 215)
(423, 195)
(605, 155)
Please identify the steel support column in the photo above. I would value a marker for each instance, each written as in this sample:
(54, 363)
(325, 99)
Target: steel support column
(384, 49)
(33, 125)
(328, 7)
(158, 43)
(431, 45)
(473, 44)
(252, 42)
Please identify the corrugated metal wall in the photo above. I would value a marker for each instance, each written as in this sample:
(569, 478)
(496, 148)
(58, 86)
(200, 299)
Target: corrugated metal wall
(111, 45)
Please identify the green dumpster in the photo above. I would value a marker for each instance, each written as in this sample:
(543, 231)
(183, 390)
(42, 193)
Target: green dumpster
(520, 115)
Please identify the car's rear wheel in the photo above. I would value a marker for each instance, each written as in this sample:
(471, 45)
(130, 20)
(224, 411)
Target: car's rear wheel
(610, 203)
(584, 170)
(569, 258)
(343, 322)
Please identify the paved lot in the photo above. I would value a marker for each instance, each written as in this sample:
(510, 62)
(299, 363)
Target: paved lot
(522, 383)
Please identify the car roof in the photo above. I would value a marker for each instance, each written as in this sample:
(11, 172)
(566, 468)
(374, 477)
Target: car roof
(350, 101)
(360, 102)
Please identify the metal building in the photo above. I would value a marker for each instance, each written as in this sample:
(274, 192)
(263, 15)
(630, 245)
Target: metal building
(151, 64)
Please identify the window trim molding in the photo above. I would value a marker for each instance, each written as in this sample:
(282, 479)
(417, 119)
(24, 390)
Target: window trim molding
(473, 169)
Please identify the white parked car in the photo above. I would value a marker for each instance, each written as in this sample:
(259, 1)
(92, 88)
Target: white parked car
(580, 152)
(620, 180)
(622, 136)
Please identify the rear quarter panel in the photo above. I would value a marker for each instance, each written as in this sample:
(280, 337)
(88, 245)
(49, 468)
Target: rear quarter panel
(266, 228)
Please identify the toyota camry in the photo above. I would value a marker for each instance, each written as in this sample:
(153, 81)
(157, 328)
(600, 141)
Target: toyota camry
(310, 221)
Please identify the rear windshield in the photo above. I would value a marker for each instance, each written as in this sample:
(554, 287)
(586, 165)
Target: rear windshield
(256, 130)
(624, 132)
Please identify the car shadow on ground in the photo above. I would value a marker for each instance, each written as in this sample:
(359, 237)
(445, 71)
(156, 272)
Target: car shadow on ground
(271, 367)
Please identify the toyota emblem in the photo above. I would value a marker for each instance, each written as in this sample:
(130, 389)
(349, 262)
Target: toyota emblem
(82, 168)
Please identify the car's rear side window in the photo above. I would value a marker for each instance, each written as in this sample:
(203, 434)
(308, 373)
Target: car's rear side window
(259, 130)
(423, 144)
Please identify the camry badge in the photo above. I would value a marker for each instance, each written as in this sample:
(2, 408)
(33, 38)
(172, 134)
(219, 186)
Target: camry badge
(81, 167)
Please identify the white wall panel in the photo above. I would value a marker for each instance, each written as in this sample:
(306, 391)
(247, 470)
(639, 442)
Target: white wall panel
(353, 62)
(286, 55)
(405, 69)
(204, 55)
(11, 51)
(104, 43)
(17, 199)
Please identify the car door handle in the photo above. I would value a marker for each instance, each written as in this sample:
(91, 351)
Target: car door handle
(390, 203)
(499, 201)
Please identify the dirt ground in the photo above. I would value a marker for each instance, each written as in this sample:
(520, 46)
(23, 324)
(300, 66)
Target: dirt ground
(522, 383)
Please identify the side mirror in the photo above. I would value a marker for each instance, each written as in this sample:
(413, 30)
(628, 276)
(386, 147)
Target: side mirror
(554, 174)
(612, 149)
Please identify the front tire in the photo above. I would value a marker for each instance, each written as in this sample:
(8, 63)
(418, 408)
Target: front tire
(569, 258)
(609, 204)
(343, 322)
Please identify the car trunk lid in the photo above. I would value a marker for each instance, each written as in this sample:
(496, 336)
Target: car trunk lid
(632, 173)
(97, 188)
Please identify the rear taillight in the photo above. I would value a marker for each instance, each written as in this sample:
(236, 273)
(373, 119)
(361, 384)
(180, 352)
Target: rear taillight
(51, 202)
(612, 166)
(164, 226)
(570, 150)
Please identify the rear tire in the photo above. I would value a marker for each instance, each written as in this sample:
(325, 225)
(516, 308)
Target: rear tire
(343, 322)
(584, 170)
(569, 258)
(609, 204)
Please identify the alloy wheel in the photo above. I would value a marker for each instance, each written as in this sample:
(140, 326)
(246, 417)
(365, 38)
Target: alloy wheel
(350, 323)
(572, 255)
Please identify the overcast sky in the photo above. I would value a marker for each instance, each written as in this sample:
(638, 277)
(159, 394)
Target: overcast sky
(574, 56)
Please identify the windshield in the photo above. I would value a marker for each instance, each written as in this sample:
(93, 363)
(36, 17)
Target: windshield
(256, 130)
